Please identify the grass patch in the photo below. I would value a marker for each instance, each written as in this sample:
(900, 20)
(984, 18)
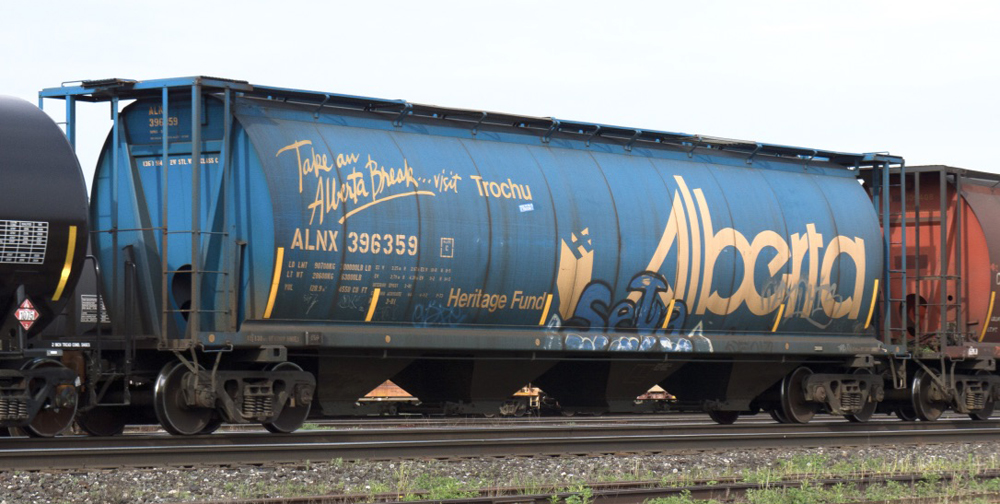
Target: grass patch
(683, 498)
(436, 480)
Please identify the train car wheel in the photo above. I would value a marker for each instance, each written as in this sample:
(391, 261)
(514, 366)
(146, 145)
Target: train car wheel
(777, 415)
(52, 418)
(905, 413)
(794, 406)
(291, 417)
(212, 426)
(926, 408)
(103, 422)
(724, 417)
(983, 414)
(168, 402)
(868, 409)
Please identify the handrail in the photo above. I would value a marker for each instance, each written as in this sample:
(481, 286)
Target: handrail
(396, 110)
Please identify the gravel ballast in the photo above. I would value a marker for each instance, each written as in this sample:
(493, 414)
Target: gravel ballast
(331, 477)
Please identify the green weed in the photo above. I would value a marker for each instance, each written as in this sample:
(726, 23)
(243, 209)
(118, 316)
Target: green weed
(582, 495)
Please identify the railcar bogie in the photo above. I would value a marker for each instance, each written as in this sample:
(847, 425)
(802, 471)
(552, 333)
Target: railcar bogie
(866, 403)
(795, 393)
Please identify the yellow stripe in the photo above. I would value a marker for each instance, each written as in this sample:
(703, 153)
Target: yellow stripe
(670, 311)
(777, 320)
(274, 282)
(871, 309)
(68, 267)
(371, 307)
(545, 311)
(989, 313)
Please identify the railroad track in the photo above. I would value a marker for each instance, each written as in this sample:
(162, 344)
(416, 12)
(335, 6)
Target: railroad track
(632, 492)
(76, 452)
(459, 422)
(395, 422)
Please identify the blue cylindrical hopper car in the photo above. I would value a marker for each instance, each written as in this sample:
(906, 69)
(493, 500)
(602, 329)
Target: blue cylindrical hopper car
(267, 254)
(496, 229)
(333, 227)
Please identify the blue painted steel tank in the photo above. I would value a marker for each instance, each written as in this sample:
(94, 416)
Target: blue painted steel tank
(344, 217)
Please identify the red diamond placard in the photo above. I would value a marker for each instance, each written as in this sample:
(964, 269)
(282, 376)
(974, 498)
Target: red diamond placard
(27, 314)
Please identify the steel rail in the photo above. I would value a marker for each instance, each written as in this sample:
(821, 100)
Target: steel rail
(74, 452)
(460, 422)
(386, 423)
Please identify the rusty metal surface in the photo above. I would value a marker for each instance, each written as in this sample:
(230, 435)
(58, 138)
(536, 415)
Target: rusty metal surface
(972, 252)
(982, 255)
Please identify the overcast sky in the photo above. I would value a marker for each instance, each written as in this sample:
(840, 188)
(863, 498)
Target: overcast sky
(915, 78)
